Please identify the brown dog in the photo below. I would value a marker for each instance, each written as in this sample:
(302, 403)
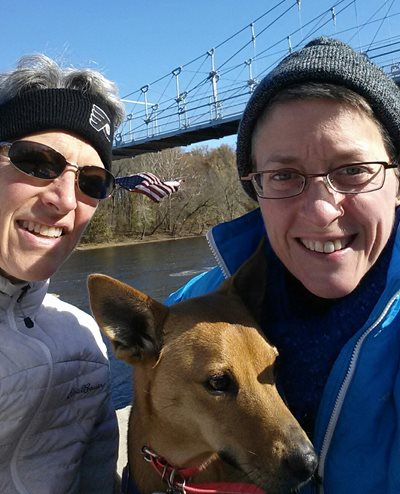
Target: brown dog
(204, 382)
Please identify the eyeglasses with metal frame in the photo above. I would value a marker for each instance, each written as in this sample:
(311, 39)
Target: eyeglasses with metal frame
(353, 178)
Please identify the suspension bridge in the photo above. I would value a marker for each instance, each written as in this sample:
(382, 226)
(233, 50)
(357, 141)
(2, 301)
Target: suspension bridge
(204, 98)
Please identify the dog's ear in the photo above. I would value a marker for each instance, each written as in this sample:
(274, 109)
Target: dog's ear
(132, 320)
(249, 282)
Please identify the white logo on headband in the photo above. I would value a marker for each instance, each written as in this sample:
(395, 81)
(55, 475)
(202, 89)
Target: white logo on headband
(100, 121)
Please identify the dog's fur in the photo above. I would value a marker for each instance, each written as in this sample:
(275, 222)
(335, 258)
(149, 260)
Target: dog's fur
(204, 385)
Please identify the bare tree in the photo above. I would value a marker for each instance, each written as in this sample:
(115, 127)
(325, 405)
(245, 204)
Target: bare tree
(210, 193)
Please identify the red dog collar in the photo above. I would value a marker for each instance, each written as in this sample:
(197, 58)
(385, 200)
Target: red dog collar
(178, 479)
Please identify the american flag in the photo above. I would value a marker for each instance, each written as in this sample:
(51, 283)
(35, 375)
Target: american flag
(149, 185)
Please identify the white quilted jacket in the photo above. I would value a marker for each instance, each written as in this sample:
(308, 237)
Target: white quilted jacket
(58, 430)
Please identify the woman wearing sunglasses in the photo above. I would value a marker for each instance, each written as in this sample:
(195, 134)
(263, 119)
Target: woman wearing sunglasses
(318, 148)
(58, 429)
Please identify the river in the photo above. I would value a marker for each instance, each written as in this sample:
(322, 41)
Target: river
(156, 268)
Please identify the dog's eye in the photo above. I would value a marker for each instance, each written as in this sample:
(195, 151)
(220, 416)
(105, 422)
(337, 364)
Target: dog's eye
(220, 383)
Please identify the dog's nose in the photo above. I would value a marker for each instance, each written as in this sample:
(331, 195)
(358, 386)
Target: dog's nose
(302, 463)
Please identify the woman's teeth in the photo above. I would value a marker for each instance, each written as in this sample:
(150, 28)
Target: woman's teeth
(324, 247)
(43, 230)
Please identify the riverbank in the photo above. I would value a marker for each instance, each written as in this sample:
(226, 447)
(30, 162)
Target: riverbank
(133, 241)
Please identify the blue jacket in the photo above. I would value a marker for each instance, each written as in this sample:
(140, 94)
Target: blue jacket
(357, 434)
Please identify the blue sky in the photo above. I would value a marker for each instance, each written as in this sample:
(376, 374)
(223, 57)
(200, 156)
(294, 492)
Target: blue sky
(135, 42)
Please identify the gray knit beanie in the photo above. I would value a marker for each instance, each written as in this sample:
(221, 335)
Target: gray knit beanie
(322, 60)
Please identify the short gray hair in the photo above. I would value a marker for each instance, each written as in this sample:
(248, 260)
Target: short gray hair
(37, 71)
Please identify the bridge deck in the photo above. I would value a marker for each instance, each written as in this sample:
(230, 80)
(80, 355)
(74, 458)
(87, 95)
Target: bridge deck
(211, 130)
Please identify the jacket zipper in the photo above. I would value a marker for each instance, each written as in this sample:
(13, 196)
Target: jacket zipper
(343, 391)
(215, 252)
(27, 320)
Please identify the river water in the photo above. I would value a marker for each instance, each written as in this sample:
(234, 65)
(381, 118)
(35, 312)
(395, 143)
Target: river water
(156, 268)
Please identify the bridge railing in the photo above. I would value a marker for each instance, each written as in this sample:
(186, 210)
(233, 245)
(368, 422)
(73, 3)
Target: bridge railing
(220, 93)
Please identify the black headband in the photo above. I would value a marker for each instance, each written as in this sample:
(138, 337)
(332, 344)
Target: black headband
(64, 109)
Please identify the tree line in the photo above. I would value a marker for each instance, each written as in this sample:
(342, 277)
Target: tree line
(210, 193)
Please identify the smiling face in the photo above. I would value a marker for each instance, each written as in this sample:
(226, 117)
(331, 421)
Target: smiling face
(42, 221)
(325, 239)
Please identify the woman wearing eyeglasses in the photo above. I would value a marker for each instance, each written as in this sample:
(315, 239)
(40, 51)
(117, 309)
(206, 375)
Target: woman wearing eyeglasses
(318, 148)
(58, 430)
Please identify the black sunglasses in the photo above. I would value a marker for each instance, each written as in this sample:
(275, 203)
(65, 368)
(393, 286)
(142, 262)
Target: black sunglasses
(43, 162)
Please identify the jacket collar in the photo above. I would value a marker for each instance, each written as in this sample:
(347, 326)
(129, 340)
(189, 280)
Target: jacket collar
(8, 288)
(32, 294)
(233, 242)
